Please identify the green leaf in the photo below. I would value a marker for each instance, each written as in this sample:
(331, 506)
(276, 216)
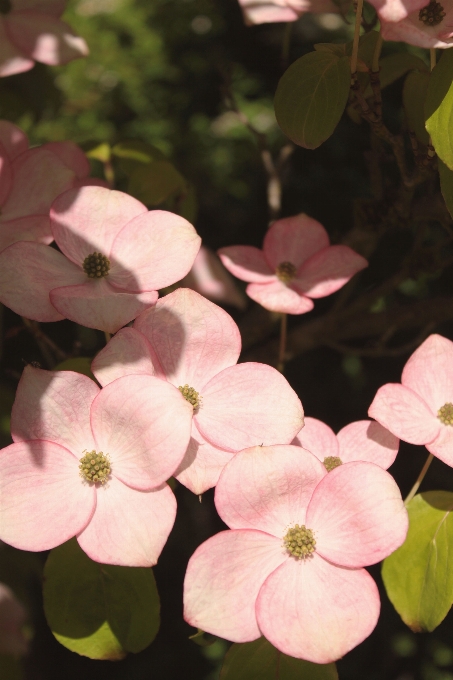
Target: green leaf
(98, 610)
(11, 668)
(414, 96)
(446, 184)
(339, 49)
(419, 575)
(259, 660)
(311, 97)
(154, 183)
(101, 152)
(136, 150)
(78, 364)
(397, 65)
(439, 108)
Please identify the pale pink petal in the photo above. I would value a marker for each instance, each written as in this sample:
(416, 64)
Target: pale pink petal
(96, 304)
(144, 424)
(45, 38)
(442, 446)
(318, 438)
(259, 12)
(12, 137)
(153, 250)
(53, 7)
(395, 10)
(209, 277)
(316, 611)
(129, 527)
(193, 338)
(369, 441)
(357, 515)
(6, 175)
(223, 579)
(72, 156)
(54, 405)
(33, 228)
(268, 488)
(409, 32)
(247, 405)
(429, 372)
(28, 272)
(87, 219)
(277, 297)
(294, 239)
(127, 353)
(202, 464)
(43, 500)
(246, 263)
(12, 60)
(405, 414)
(327, 271)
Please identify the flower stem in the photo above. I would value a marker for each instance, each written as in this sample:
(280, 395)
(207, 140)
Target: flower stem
(432, 57)
(282, 348)
(377, 53)
(420, 479)
(355, 42)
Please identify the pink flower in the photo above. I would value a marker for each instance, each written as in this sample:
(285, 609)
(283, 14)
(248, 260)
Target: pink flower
(420, 410)
(12, 619)
(31, 30)
(266, 11)
(291, 567)
(363, 440)
(296, 264)
(115, 255)
(195, 345)
(421, 23)
(30, 179)
(135, 430)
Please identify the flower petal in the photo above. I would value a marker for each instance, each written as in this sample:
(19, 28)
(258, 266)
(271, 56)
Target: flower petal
(6, 175)
(72, 156)
(318, 438)
(369, 441)
(268, 488)
(129, 527)
(144, 424)
(277, 297)
(327, 271)
(43, 500)
(127, 353)
(209, 277)
(53, 7)
(34, 228)
(294, 239)
(247, 405)
(13, 139)
(223, 579)
(357, 515)
(429, 372)
(408, 31)
(395, 10)
(246, 263)
(442, 446)
(45, 38)
(12, 60)
(316, 611)
(405, 414)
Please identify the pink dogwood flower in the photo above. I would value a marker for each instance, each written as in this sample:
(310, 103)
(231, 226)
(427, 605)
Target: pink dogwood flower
(115, 254)
(269, 11)
(420, 410)
(291, 567)
(297, 263)
(194, 344)
(363, 440)
(13, 616)
(31, 30)
(92, 463)
(417, 22)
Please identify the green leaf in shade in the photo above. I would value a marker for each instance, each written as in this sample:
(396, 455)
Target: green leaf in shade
(136, 150)
(154, 183)
(311, 97)
(439, 108)
(10, 668)
(259, 660)
(97, 610)
(419, 575)
(414, 96)
(397, 65)
(446, 184)
(77, 364)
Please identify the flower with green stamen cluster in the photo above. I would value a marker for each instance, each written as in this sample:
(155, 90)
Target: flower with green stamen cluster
(300, 542)
(95, 467)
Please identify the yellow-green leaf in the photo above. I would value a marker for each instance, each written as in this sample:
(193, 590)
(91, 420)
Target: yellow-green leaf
(439, 108)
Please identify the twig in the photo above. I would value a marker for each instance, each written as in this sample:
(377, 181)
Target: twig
(420, 478)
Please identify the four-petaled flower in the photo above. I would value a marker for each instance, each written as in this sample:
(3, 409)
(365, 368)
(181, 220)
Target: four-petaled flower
(417, 22)
(269, 11)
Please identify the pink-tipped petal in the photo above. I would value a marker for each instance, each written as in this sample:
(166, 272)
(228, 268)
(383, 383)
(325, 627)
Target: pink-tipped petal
(153, 250)
(261, 12)
(318, 438)
(405, 414)
(223, 579)
(442, 446)
(277, 297)
(247, 405)
(316, 611)
(129, 528)
(43, 500)
(368, 441)
(294, 239)
(6, 175)
(395, 10)
(127, 353)
(193, 338)
(268, 488)
(327, 271)
(209, 277)
(408, 31)
(246, 263)
(28, 272)
(144, 424)
(35, 228)
(429, 372)
(72, 156)
(53, 7)
(12, 60)
(96, 304)
(12, 138)
(357, 515)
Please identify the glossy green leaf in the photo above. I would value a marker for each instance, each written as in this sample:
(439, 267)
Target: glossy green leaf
(414, 96)
(446, 184)
(259, 660)
(311, 97)
(97, 610)
(419, 575)
(439, 108)
(154, 183)
(77, 364)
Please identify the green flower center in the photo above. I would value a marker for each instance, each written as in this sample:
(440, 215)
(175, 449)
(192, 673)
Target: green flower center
(190, 395)
(300, 542)
(96, 265)
(445, 414)
(286, 272)
(432, 15)
(95, 467)
(331, 462)
(5, 6)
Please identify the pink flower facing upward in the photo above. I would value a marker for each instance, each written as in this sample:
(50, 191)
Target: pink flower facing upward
(296, 264)
(30, 179)
(195, 345)
(291, 567)
(417, 22)
(363, 440)
(420, 410)
(92, 463)
(31, 30)
(269, 11)
(115, 256)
